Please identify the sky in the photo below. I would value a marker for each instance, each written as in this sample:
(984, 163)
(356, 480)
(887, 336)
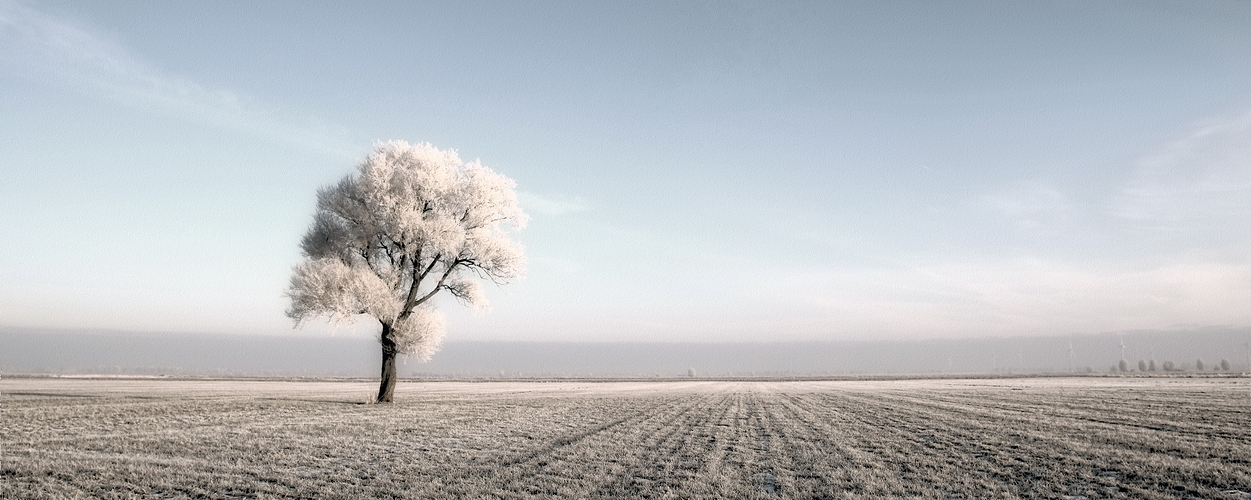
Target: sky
(695, 171)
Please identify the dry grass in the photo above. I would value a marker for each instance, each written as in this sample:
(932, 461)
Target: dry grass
(1045, 438)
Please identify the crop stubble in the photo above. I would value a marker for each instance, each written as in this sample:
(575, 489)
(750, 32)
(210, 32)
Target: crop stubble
(1017, 438)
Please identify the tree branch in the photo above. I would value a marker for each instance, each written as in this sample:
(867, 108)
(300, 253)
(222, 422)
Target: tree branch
(400, 274)
(433, 261)
(411, 300)
(438, 285)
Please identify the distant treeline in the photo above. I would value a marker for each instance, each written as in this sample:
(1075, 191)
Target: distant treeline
(130, 353)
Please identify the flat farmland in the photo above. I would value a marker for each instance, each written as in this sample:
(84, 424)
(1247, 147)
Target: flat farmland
(991, 438)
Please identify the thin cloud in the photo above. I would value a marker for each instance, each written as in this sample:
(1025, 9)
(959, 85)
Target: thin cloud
(1204, 176)
(1016, 296)
(563, 266)
(1033, 209)
(37, 45)
(552, 205)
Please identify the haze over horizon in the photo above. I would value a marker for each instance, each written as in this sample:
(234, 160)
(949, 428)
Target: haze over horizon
(695, 172)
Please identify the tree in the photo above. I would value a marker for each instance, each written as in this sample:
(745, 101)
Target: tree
(1142, 365)
(411, 222)
(1123, 366)
(1200, 365)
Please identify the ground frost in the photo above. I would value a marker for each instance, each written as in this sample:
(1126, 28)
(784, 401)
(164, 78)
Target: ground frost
(1029, 438)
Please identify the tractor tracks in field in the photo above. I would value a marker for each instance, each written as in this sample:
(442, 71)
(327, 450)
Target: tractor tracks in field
(1082, 432)
(691, 453)
(1162, 416)
(881, 459)
(921, 444)
(1055, 455)
(651, 448)
(1032, 462)
(752, 439)
(729, 444)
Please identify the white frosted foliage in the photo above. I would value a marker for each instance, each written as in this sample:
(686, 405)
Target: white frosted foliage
(420, 333)
(413, 220)
(331, 287)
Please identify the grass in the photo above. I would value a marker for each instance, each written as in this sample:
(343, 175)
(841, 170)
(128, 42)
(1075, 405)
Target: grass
(992, 438)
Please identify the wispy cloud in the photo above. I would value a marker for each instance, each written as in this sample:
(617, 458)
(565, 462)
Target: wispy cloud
(1033, 208)
(562, 266)
(552, 205)
(1201, 178)
(1016, 296)
(37, 45)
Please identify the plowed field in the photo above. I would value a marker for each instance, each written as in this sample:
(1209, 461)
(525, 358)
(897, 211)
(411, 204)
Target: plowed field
(1001, 438)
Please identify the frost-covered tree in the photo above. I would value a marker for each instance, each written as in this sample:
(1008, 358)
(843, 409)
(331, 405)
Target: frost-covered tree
(1224, 365)
(413, 221)
(1200, 365)
(1123, 366)
(1142, 365)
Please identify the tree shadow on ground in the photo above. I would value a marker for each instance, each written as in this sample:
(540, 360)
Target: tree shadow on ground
(320, 401)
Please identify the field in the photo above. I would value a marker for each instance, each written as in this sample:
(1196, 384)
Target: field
(993, 438)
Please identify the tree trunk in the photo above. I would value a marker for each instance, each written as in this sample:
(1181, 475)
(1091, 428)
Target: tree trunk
(386, 389)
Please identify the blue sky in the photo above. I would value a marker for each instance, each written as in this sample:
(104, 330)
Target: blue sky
(695, 171)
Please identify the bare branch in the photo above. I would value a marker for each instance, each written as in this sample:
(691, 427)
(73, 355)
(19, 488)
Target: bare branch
(433, 261)
(438, 286)
(410, 300)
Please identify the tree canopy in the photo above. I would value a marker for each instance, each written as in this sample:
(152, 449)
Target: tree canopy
(414, 220)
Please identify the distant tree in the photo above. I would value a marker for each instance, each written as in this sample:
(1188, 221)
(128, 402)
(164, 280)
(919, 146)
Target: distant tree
(690, 373)
(1200, 365)
(1168, 366)
(1123, 366)
(1224, 365)
(1151, 365)
(411, 222)
(1142, 365)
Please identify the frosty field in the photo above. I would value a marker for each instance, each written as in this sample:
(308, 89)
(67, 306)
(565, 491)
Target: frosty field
(993, 438)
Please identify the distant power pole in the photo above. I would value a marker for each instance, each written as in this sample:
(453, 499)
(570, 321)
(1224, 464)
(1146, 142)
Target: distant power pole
(1072, 367)
(1247, 345)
